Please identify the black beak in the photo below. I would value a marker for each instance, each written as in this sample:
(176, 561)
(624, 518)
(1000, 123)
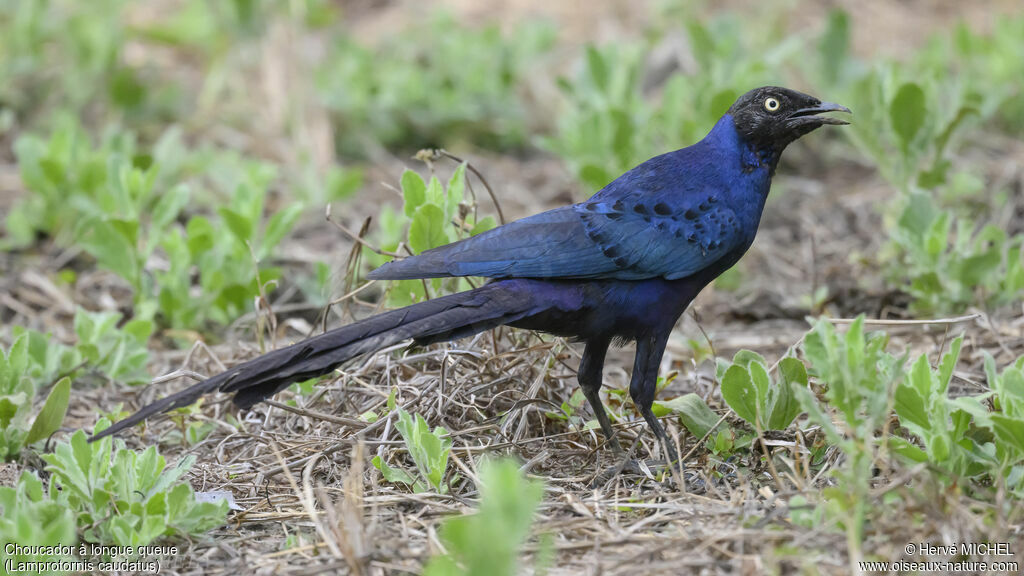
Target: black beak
(809, 115)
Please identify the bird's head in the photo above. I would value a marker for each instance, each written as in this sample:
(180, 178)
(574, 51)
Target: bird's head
(770, 118)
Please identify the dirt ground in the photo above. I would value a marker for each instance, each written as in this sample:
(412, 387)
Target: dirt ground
(311, 503)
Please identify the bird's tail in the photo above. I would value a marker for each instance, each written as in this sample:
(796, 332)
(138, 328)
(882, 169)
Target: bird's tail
(436, 320)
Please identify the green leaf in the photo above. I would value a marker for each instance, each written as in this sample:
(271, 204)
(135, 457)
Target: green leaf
(278, 227)
(973, 270)
(486, 223)
(908, 111)
(597, 68)
(622, 136)
(762, 383)
(343, 183)
(739, 393)
(938, 447)
(920, 377)
(159, 478)
(435, 192)
(724, 441)
(694, 412)
(948, 364)
(429, 449)
(238, 224)
(745, 358)
(918, 216)
(427, 229)
(10, 405)
(414, 191)
(907, 450)
(112, 243)
(456, 191)
(200, 234)
(910, 408)
(943, 138)
(835, 45)
(786, 407)
(14, 366)
(169, 206)
(489, 541)
(52, 414)
(793, 371)
(702, 43)
(392, 474)
(1010, 431)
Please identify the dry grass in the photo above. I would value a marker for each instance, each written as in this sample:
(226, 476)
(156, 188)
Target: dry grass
(310, 503)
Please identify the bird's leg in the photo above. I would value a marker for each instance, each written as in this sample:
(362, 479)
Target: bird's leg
(590, 378)
(643, 385)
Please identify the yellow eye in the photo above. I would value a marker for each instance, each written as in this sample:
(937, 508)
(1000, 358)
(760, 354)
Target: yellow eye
(771, 104)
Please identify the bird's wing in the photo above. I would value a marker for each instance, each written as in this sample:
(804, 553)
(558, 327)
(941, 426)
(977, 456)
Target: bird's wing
(633, 238)
(659, 236)
(547, 245)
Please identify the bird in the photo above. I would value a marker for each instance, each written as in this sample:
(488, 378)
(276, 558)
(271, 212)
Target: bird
(619, 267)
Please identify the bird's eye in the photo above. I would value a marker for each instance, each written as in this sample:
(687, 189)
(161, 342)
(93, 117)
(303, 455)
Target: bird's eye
(771, 104)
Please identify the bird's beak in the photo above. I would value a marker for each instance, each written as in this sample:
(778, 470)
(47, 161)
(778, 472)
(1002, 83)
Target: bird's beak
(810, 115)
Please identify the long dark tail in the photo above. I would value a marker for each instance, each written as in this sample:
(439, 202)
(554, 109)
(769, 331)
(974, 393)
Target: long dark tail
(435, 320)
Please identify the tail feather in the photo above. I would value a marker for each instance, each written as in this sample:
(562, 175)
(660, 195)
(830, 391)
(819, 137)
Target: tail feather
(435, 320)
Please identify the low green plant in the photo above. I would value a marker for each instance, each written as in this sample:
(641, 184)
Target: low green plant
(338, 184)
(34, 362)
(700, 421)
(228, 252)
(124, 231)
(906, 123)
(432, 84)
(1005, 421)
(429, 451)
(432, 215)
(749, 391)
(947, 265)
(47, 359)
(908, 115)
(128, 498)
(103, 349)
(18, 426)
(609, 123)
(125, 208)
(489, 542)
(61, 55)
(33, 516)
(986, 62)
(599, 135)
(910, 120)
(95, 60)
(943, 426)
(116, 352)
(859, 379)
(68, 174)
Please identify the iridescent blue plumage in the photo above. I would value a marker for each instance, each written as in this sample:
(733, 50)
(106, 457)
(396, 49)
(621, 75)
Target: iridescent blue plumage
(623, 265)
